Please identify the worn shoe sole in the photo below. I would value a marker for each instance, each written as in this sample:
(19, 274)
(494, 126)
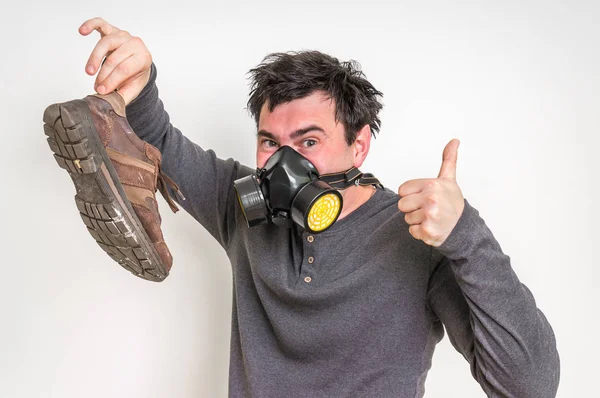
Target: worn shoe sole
(101, 200)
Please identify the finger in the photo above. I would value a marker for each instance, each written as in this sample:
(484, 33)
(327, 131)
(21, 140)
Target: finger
(416, 231)
(103, 49)
(415, 217)
(98, 24)
(126, 69)
(113, 60)
(449, 158)
(413, 186)
(410, 203)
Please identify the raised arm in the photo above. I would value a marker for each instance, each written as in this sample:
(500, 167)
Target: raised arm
(490, 316)
(205, 180)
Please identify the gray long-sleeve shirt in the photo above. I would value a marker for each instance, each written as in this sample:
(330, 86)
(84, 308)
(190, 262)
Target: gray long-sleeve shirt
(366, 322)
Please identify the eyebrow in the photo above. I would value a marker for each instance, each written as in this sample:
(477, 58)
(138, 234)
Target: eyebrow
(294, 135)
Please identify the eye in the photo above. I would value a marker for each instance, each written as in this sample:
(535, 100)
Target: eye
(308, 143)
(268, 143)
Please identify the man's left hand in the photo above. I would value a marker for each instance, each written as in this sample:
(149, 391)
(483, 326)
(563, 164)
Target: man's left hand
(432, 206)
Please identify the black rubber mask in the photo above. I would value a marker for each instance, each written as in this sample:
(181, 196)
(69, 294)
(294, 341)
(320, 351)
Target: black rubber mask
(290, 189)
(286, 190)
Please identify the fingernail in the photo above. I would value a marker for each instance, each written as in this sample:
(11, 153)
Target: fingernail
(101, 89)
(90, 68)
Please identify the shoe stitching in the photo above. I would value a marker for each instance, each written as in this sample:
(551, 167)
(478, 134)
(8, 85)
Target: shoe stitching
(132, 166)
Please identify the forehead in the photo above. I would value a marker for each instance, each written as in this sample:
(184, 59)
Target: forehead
(318, 107)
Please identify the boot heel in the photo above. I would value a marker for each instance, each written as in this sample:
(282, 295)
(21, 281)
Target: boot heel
(65, 126)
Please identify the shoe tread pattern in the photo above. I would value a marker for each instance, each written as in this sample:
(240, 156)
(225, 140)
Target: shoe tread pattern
(106, 223)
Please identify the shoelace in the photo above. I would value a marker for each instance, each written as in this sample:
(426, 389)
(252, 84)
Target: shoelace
(162, 182)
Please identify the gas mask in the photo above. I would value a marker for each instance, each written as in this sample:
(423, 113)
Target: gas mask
(289, 189)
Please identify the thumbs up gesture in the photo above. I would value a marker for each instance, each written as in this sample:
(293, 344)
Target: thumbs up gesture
(432, 206)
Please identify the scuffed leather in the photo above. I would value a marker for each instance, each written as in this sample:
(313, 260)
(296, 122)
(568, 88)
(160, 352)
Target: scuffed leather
(126, 151)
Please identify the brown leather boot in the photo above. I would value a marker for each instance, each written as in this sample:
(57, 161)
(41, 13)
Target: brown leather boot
(116, 175)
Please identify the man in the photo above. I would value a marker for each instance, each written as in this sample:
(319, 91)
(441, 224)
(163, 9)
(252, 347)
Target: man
(357, 309)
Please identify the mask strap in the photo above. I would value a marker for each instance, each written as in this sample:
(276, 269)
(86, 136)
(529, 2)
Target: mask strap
(348, 178)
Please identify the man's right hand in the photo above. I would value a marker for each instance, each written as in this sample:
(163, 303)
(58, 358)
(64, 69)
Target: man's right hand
(127, 64)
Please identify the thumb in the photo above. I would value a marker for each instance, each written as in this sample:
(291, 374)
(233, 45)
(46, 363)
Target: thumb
(448, 169)
(132, 87)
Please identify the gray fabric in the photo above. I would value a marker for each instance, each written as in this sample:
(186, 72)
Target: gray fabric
(367, 323)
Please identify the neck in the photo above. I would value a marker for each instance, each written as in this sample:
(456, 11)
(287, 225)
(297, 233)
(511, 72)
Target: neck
(354, 197)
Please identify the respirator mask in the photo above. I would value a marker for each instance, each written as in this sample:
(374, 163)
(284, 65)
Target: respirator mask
(289, 189)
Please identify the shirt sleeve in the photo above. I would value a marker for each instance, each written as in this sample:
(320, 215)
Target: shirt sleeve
(491, 317)
(205, 180)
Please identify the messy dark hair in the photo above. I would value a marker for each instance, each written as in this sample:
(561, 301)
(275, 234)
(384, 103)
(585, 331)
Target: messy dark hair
(283, 77)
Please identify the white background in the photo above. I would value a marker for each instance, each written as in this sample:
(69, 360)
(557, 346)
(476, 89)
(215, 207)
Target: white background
(516, 81)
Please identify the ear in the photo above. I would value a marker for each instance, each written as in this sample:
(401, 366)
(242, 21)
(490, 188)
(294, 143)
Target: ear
(361, 145)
